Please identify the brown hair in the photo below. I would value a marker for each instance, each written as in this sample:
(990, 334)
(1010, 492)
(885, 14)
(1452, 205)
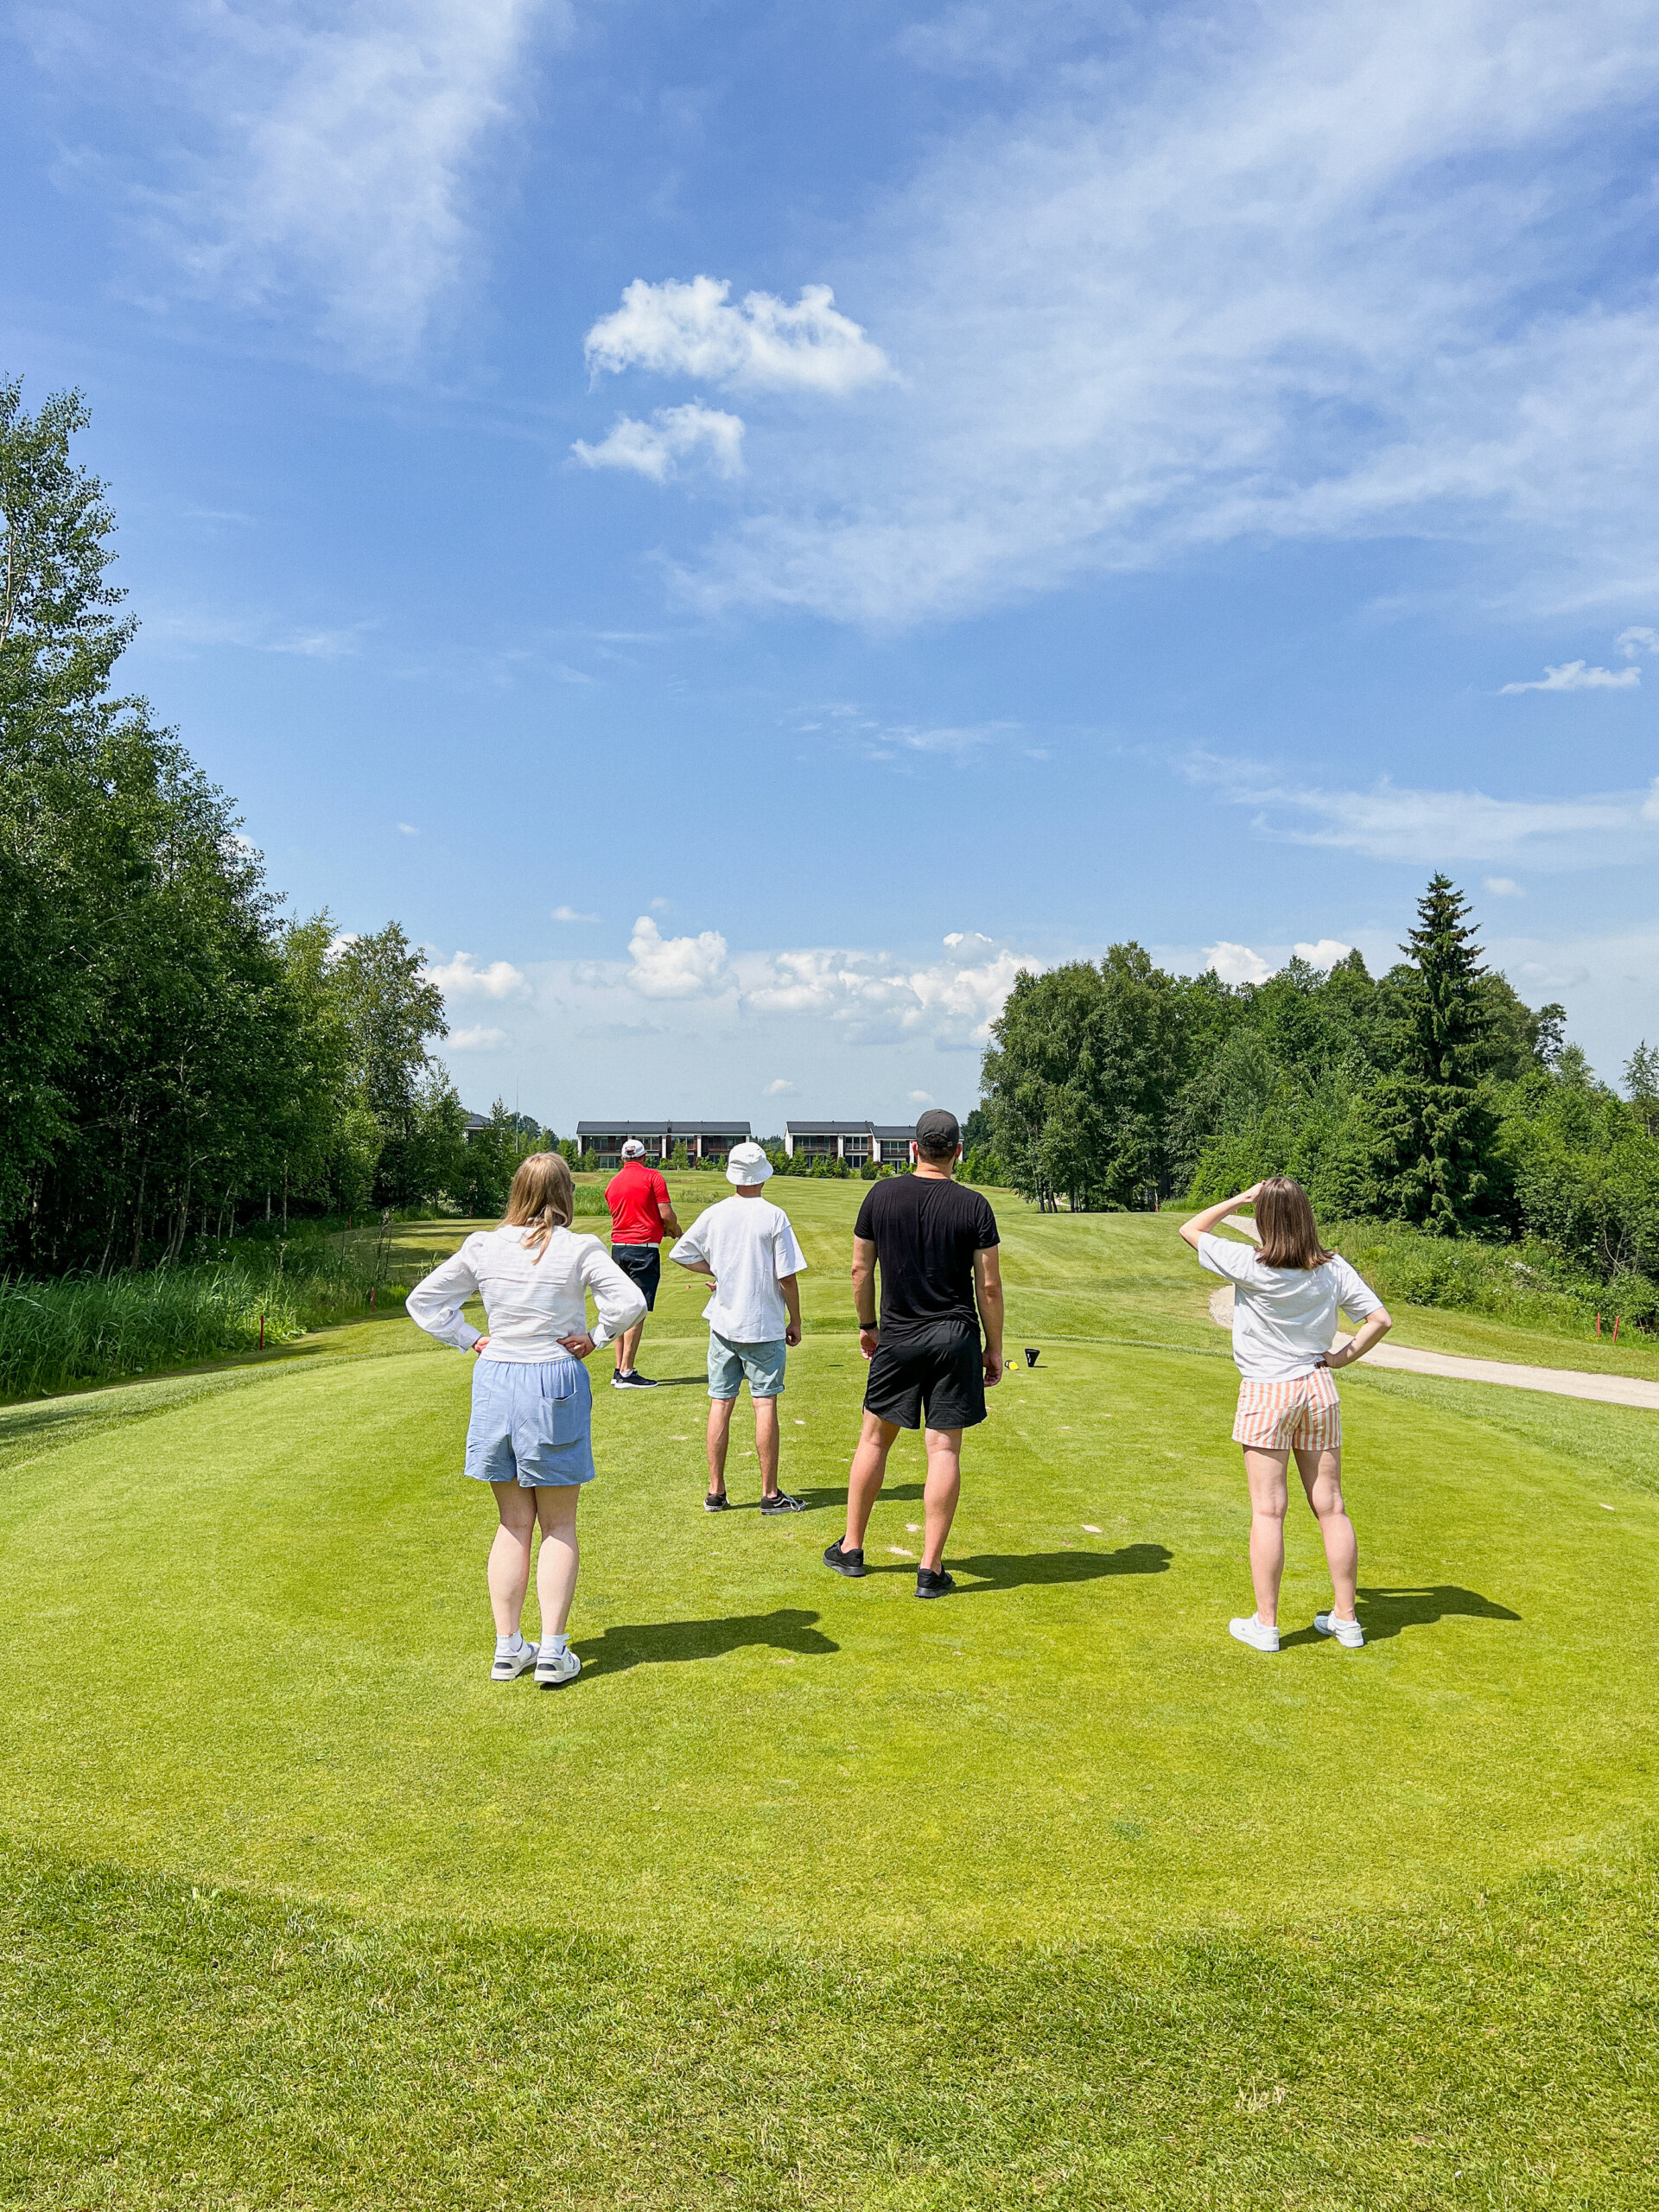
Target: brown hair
(542, 1198)
(1284, 1220)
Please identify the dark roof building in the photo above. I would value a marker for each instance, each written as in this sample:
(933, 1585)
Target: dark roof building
(858, 1143)
(602, 1141)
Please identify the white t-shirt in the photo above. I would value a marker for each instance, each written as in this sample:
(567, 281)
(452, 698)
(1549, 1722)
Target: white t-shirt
(747, 1243)
(1284, 1319)
(532, 1301)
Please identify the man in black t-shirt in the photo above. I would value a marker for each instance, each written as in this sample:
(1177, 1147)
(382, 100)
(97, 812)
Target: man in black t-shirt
(935, 1243)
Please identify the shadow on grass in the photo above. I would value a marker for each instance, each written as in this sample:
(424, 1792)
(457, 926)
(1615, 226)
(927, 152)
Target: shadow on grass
(1388, 1612)
(1014, 1570)
(652, 1644)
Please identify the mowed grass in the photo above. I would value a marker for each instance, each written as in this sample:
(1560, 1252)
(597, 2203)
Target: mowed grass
(805, 1893)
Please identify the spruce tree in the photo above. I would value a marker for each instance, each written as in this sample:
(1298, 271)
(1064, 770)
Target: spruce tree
(1437, 1130)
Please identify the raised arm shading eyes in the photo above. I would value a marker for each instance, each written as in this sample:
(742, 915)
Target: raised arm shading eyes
(1202, 1224)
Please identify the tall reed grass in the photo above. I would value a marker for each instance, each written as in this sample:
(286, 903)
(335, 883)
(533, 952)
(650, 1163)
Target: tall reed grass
(84, 1328)
(1527, 1283)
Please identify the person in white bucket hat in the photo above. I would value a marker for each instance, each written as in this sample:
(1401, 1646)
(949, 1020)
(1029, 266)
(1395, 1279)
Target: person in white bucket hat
(746, 1245)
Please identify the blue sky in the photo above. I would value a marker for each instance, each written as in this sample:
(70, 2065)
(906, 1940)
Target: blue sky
(742, 524)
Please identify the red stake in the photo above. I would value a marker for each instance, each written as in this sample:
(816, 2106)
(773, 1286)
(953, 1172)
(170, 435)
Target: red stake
(261, 1332)
(1598, 1324)
(1618, 1318)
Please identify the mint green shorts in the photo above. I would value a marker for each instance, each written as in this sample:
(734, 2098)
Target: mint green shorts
(763, 1365)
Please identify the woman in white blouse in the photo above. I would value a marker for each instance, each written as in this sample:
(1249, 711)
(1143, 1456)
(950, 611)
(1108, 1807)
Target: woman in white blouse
(531, 1434)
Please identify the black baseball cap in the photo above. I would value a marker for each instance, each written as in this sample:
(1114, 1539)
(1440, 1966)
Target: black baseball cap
(936, 1128)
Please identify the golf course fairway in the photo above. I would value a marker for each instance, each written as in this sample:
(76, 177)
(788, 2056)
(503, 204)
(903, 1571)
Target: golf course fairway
(805, 1893)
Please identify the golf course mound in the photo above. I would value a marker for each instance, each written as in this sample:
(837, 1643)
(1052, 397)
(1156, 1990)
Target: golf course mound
(804, 1893)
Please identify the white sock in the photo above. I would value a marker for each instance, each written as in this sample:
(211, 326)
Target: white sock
(506, 1645)
(555, 1643)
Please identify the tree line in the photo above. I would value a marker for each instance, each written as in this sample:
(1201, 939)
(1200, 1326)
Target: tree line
(176, 1054)
(1431, 1096)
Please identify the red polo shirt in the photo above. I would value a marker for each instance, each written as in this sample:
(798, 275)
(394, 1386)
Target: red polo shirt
(633, 1195)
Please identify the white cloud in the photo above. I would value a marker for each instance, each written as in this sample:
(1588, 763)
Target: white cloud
(477, 1040)
(1295, 272)
(188, 627)
(1502, 886)
(953, 1001)
(462, 978)
(1236, 964)
(921, 1097)
(408, 829)
(569, 914)
(1576, 676)
(1325, 954)
(676, 967)
(672, 435)
(691, 329)
(1391, 823)
(779, 1087)
(328, 156)
(1635, 641)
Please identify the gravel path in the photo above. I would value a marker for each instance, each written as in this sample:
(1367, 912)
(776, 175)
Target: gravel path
(1558, 1381)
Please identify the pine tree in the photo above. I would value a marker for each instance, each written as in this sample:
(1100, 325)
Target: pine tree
(1437, 1130)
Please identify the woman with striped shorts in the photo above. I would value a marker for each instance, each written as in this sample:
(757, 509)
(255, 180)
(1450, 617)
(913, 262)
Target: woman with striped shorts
(1287, 1293)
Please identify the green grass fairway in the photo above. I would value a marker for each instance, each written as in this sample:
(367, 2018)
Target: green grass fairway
(1048, 1892)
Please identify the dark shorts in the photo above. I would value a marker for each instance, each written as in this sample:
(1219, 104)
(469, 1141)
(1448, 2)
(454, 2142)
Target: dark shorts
(643, 1263)
(935, 1371)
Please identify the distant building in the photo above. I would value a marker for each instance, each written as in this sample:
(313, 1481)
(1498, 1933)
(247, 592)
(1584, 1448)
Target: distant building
(860, 1144)
(601, 1143)
(473, 1124)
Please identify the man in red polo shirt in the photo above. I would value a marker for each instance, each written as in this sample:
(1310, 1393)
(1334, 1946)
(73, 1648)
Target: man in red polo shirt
(642, 1214)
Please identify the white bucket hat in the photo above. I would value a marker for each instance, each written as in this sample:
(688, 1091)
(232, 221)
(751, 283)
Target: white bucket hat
(748, 1166)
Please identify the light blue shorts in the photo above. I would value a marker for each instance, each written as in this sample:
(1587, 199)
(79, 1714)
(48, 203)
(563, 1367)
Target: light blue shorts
(531, 1424)
(728, 1364)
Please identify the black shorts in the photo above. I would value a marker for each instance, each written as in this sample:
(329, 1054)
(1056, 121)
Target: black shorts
(937, 1371)
(643, 1264)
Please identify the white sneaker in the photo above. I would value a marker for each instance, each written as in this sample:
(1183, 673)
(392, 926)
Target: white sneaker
(1349, 1634)
(511, 1664)
(555, 1669)
(1252, 1632)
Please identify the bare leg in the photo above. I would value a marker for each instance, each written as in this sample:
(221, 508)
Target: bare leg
(766, 1444)
(1321, 1474)
(944, 1489)
(556, 1570)
(864, 1477)
(1268, 1473)
(719, 1435)
(509, 1567)
(627, 1348)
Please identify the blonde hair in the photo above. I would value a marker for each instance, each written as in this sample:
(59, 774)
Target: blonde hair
(1284, 1219)
(542, 1198)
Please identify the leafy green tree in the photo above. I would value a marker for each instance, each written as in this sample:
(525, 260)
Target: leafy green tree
(1642, 1084)
(1436, 1126)
(1082, 1076)
(391, 1010)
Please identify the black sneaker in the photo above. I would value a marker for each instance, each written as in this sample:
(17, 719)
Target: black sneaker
(934, 1582)
(716, 1501)
(781, 1502)
(850, 1564)
(633, 1380)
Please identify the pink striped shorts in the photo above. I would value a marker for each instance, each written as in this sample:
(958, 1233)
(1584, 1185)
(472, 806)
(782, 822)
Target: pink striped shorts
(1301, 1413)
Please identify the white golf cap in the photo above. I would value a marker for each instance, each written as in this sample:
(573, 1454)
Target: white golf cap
(634, 1149)
(747, 1164)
